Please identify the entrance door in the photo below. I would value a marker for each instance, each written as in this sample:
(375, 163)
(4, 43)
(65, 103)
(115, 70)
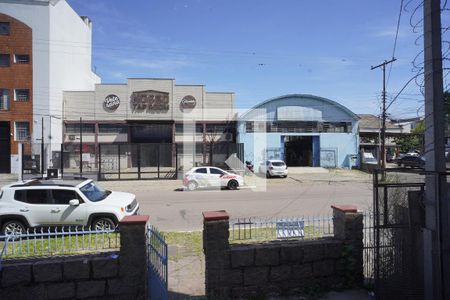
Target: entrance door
(298, 151)
(5, 149)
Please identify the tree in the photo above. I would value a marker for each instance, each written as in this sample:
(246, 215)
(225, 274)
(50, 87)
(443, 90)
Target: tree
(413, 140)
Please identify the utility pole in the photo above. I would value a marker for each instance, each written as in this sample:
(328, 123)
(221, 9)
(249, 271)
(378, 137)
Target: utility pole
(436, 234)
(81, 147)
(383, 116)
(42, 147)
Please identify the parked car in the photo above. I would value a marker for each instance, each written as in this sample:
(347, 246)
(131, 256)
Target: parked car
(43, 203)
(274, 168)
(204, 177)
(411, 161)
(369, 159)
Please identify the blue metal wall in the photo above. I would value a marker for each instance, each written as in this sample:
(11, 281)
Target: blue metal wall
(260, 146)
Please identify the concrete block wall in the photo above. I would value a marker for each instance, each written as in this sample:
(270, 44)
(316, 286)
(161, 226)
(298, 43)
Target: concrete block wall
(111, 275)
(282, 267)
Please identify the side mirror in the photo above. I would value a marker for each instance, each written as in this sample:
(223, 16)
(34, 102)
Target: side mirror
(74, 202)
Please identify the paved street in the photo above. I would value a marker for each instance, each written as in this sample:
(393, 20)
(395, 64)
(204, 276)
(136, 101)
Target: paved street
(302, 194)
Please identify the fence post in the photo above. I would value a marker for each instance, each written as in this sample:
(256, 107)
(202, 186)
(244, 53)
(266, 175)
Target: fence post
(133, 256)
(216, 249)
(99, 162)
(348, 227)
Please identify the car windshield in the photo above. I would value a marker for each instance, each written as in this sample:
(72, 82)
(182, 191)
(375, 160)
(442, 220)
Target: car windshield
(94, 192)
(278, 164)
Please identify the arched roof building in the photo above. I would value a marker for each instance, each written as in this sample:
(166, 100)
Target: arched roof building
(302, 130)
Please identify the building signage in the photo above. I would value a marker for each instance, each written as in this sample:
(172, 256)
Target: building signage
(150, 101)
(188, 102)
(111, 103)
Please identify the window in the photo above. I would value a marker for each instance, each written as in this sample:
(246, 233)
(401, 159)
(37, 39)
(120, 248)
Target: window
(4, 99)
(216, 171)
(64, 196)
(201, 170)
(22, 131)
(32, 196)
(22, 95)
(21, 58)
(93, 192)
(112, 128)
(4, 60)
(5, 28)
(75, 128)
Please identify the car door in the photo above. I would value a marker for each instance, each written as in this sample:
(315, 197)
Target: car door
(35, 205)
(215, 176)
(64, 213)
(201, 177)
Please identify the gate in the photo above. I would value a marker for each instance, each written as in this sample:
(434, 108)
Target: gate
(5, 149)
(134, 161)
(397, 244)
(157, 265)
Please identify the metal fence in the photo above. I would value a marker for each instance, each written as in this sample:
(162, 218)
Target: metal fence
(368, 250)
(58, 241)
(157, 264)
(280, 228)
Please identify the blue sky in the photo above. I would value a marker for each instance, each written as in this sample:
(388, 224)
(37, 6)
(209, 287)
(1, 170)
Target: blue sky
(261, 49)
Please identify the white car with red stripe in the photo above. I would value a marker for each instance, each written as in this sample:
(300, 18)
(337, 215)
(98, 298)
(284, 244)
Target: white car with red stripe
(208, 177)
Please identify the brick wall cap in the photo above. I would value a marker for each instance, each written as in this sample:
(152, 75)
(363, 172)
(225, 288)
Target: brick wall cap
(345, 208)
(135, 219)
(215, 215)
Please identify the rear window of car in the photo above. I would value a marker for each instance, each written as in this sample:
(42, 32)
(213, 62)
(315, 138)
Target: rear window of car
(64, 196)
(201, 170)
(32, 196)
(278, 164)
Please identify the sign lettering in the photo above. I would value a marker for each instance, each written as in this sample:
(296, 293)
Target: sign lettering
(150, 101)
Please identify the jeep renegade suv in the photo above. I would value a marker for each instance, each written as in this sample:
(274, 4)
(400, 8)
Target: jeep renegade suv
(42, 203)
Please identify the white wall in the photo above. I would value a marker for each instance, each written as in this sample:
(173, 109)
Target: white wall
(70, 58)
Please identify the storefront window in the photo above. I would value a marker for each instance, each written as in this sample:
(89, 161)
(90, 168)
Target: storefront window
(75, 128)
(112, 128)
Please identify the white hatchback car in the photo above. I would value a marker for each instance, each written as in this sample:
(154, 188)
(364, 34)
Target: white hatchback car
(274, 168)
(204, 177)
(42, 203)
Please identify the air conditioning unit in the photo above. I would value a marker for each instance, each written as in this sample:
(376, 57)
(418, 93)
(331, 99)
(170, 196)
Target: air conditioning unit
(71, 137)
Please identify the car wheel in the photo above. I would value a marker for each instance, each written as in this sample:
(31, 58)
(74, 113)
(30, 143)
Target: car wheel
(13, 227)
(233, 185)
(103, 224)
(284, 176)
(268, 174)
(192, 185)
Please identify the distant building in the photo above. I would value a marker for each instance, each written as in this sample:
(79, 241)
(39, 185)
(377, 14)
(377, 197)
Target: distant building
(369, 134)
(302, 130)
(408, 124)
(45, 48)
(132, 122)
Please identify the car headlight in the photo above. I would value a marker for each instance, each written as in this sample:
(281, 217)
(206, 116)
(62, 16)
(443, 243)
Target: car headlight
(131, 206)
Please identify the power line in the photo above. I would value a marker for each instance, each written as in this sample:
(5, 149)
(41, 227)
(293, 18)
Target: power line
(395, 40)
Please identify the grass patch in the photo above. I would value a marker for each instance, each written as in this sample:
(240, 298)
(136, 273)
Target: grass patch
(184, 244)
(60, 245)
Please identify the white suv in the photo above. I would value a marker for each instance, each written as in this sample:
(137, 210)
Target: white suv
(38, 203)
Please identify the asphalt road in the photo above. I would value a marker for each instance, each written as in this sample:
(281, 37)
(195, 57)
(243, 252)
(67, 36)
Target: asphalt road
(307, 194)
